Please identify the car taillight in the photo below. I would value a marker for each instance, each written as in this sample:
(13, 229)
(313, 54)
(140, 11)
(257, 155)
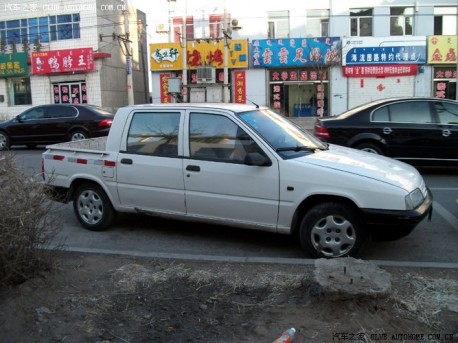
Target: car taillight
(321, 131)
(106, 123)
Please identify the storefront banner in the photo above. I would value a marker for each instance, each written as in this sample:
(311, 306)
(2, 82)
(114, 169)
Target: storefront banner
(380, 70)
(14, 64)
(383, 50)
(294, 52)
(169, 56)
(445, 73)
(62, 61)
(166, 98)
(240, 87)
(442, 49)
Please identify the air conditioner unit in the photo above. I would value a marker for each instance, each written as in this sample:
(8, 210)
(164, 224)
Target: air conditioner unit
(206, 75)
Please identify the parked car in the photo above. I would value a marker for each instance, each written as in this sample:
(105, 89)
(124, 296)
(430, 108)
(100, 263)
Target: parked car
(237, 165)
(55, 123)
(416, 130)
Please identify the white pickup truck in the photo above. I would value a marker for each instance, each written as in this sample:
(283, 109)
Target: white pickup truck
(237, 165)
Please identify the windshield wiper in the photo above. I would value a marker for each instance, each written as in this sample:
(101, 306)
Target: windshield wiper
(297, 148)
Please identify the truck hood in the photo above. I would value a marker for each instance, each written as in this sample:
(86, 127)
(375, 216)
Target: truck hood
(366, 164)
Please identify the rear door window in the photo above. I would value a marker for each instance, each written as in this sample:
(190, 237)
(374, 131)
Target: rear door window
(57, 111)
(411, 112)
(154, 133)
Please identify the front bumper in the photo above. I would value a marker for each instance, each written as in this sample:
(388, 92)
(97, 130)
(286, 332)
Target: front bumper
(391, 225)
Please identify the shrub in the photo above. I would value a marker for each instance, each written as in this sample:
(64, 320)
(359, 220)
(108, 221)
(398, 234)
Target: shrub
(28, 224)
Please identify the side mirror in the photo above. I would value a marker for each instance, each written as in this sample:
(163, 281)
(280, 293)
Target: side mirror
(18, 118)
(256, 159)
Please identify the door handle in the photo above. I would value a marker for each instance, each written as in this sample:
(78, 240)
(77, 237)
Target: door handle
(126, 161)
(446, 133)
(193, 168)
(387, 130)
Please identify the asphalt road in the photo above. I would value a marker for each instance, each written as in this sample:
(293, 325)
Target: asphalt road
(432, 242)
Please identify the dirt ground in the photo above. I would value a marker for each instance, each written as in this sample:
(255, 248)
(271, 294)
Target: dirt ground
(106, 298)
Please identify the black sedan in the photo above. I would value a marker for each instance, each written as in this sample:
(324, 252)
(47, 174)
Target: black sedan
(55, 123)
(417, 130)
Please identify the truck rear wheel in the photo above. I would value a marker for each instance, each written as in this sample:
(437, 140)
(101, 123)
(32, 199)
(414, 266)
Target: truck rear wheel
(92, 207)
(331, 230)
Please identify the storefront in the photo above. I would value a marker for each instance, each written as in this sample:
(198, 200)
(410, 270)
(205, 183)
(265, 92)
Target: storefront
(298, 73)
(442, 55)
(382, 67)
(204, 70)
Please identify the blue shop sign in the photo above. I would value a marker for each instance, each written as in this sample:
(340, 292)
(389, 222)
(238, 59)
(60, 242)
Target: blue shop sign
(291, 52)
(386, 55)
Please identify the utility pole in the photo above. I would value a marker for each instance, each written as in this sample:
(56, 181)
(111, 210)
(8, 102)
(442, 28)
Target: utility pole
(184, 80)
(130, 85)
(225, 57)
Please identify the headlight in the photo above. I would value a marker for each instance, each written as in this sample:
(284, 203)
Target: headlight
(414, 199)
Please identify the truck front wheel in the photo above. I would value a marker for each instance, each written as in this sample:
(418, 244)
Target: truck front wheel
(92, 207)
(331, 230)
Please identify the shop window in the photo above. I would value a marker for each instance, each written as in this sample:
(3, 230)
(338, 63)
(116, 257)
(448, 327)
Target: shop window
(70, 93)
(445, 20)
(361, 21)
(401, 20)
(317, 24)
(20, 92)
(178, 29)
(278, 24)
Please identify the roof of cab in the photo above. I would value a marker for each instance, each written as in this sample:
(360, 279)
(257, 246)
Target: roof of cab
(222, 106)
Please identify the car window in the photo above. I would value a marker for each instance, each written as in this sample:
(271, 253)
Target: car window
(410, 112)
(381, 114)
(217, 138)
(154, 133)
(447, 112)
(57, 111)
(33, 114)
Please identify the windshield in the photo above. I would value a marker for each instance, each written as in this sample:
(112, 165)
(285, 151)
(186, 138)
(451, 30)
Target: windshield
(283, 136)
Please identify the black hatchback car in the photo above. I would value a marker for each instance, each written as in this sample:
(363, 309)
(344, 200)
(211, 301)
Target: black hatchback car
(55, 123)
(417, 130)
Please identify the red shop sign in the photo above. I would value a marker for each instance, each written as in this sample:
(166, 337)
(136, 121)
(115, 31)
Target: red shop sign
(62, 61)
(380, 70)
(240, 87)
(166, 98)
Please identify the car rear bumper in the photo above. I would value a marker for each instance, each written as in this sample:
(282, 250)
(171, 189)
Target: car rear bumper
(391, 225)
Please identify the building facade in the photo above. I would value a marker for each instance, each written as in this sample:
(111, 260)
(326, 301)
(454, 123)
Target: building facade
(322, 59)
(71, 52)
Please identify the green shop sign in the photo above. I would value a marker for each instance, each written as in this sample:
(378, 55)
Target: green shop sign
(14, 64)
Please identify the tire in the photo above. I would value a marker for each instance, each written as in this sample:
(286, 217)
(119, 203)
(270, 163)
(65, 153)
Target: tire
(331, 230)
(78, 135)
(92, 207)
(369, 147)
(4, 141)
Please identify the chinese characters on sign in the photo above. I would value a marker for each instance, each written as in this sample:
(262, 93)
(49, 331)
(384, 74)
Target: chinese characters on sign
(14, 64)
(166, 98)
(74, 93)
(298, 75)
(380, 70)
(295, 52)
(240, 87)
(169, 56)
(62, 61)
(442, 49)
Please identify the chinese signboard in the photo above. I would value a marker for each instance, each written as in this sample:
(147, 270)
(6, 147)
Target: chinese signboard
(380, 70)
(62, 61)
(298, 75)
(169, 56)
(164, 86)
(14, 64)
(240, 87)
(442, 49)
(295, 52)
(383, 50)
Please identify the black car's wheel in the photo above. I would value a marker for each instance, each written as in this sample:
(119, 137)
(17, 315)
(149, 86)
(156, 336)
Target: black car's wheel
(4, 141)
(78, 135)
(92, 207)
(331, 230)
(369, 147)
